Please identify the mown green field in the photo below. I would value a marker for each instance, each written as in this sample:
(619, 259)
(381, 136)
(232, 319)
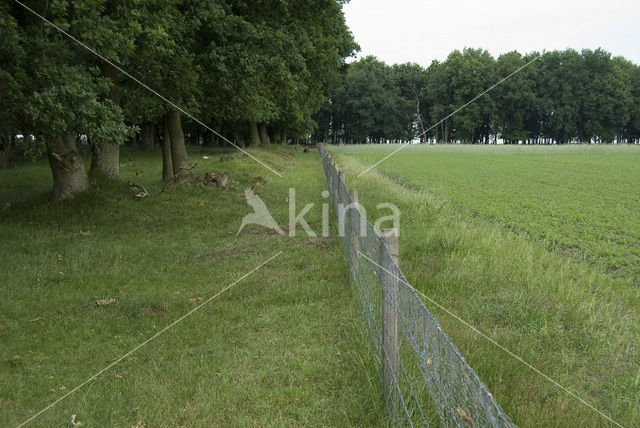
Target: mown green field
(582, 200)
(534, 247)
(284, 347)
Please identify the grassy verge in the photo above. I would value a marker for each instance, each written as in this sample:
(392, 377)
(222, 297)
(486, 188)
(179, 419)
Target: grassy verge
(285, 346)
(574, 321)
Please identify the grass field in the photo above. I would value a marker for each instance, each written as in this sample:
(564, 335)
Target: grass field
(284, 347)
(582, 200)
(537, 247)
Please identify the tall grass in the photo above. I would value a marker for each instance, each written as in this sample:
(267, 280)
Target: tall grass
(576, 322)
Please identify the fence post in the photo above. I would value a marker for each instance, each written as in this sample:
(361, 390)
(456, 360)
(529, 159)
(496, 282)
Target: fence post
(391, 239)
(354, 197)
(389, 315)
(355, 231)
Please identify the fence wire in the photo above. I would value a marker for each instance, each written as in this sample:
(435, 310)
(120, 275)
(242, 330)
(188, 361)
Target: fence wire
(428, 382)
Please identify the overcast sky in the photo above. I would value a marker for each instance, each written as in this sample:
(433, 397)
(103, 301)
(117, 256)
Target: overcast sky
(420, 31)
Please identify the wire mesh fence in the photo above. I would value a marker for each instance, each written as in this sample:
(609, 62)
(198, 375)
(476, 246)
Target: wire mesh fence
(426, 380)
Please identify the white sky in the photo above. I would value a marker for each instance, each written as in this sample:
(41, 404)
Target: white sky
(398, 31)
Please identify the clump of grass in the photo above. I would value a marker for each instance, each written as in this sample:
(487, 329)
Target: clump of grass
(573, 320)
(283, 347)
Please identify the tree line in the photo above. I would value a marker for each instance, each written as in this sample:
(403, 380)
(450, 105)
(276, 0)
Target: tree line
(555, 97)
(255, 71)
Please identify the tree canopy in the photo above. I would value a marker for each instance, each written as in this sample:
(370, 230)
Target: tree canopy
(553, 97)
(255, 70)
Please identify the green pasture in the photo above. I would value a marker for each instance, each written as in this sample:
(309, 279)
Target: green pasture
(284, 347)
(538, 249)
(580, 200)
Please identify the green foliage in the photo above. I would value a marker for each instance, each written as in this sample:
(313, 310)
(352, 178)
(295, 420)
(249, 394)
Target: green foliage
(70, 100)
(516, 117)
(411, 80)
(12, 74)
(59, 85)
(271, 62)
(31, 149)
(632, 128)
(368, 103)
(560, 96)
(471, 72)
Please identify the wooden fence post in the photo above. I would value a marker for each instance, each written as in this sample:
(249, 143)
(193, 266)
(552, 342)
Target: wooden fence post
(354, 196)
(391, 239)
(355, 230)
(389, 316)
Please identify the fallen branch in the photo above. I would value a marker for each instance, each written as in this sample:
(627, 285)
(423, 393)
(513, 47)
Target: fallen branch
(144, 192)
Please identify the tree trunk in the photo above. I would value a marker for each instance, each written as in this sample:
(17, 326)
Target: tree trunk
(5, 152)
(277, 138)
(445, 131)
(264, 135)
(167, 163)
(106, 160)
(237, 138)
(209, 139)
(147, 136)
(254, 137)
(69, 176)
(178, 150)
(423, 132)
(284, 139)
